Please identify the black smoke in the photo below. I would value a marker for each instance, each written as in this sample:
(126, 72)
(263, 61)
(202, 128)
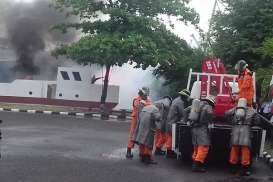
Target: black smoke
(26, 40)
(28, 27)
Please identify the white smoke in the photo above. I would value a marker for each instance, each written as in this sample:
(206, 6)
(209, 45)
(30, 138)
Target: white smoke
(131, 79)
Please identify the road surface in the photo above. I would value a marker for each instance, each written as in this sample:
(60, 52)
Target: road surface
(51, 148)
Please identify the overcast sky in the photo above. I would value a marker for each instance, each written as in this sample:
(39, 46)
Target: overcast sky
(203, 7)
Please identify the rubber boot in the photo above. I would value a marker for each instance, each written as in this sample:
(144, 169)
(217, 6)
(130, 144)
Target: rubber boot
(233, 168)
(246, 171)
(142, 158)
(158, 151)
(171, 154)
(198, 167)
(193, 167)
(129, 154)
(148, 160)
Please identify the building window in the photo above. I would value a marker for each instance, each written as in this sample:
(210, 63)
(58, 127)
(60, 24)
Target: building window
(65, 75)
(77, 96)
(30, 93)
(77, 76)
(60, 94)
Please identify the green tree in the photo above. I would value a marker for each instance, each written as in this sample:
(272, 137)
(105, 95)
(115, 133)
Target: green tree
(130, 31)
(265, 74)
(239, 32)
(176, 75)
(241, 29)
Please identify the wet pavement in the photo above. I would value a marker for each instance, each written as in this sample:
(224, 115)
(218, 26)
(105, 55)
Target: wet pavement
(49, 148)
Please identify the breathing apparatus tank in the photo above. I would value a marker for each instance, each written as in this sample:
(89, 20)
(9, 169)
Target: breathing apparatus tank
(195, 110)
(241, 109)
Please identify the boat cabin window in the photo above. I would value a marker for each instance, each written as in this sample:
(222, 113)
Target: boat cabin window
(77, 76)
(65, 75)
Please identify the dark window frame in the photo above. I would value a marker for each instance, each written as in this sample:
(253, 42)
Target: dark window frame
(77, 76)
(65, 75)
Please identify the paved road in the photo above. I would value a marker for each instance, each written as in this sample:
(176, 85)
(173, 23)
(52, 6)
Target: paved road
(48, 148)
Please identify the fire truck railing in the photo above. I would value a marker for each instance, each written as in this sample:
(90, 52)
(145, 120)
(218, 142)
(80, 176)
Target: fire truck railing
(222, 76)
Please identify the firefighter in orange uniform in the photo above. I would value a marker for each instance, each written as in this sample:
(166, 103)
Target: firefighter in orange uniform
(200, 132)
(175, 114)
(145, 130)
(242, 118)
(245, 82)
(137, 106)
(160, 135)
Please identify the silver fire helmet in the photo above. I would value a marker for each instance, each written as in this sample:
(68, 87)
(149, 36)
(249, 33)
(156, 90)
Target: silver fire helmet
(242, 103)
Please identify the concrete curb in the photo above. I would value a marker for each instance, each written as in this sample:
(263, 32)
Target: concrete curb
(79, 114)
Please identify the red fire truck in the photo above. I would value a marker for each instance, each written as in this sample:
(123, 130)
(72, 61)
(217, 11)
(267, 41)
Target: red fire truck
(214, 80)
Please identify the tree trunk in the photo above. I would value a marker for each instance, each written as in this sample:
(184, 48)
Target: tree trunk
(105, 86)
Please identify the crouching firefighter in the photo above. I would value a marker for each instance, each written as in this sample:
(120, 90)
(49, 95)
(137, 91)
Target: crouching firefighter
(176, 113)
(145, 131)
(160, 136)
(242, 117)
(138, 103)
(200, 116)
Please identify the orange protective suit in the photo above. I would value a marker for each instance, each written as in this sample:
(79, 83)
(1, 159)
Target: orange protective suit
(168, 143)
(160, 139)
(144, 151)
(136, 104)
(200, 153)
(245, 155)
(246, 88)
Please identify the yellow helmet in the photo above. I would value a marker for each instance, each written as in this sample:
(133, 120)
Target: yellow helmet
(210, 99)
(185, 92)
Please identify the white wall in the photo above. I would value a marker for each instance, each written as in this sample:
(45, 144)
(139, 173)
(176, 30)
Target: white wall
(86, 92)
(68, 88)
(22, 88)
(84, 89)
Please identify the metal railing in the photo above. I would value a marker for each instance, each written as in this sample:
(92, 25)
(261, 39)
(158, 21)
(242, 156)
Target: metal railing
(222, 77)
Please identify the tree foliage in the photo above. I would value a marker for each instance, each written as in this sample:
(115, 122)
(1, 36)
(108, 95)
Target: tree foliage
(176, 75)
(244, 31)
(121, 31)
(240, 30)
(264, 76)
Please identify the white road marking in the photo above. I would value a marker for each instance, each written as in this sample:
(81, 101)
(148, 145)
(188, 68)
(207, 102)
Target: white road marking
(63, 113)
(47, 112)
(31, 111)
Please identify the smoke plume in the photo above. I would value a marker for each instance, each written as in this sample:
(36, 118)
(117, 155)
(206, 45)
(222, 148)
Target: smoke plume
(26, 40)
(130, 80)
(28, 27)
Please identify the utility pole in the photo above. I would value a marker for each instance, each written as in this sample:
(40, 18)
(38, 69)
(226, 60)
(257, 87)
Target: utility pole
(195, 40)
(207, 41)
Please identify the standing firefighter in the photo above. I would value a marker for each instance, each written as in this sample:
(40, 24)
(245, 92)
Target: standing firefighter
(145, 131)
(176, 113)
(160, 136)
(242, 118)
(201, 115)
(245, 81)
(138, 103)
